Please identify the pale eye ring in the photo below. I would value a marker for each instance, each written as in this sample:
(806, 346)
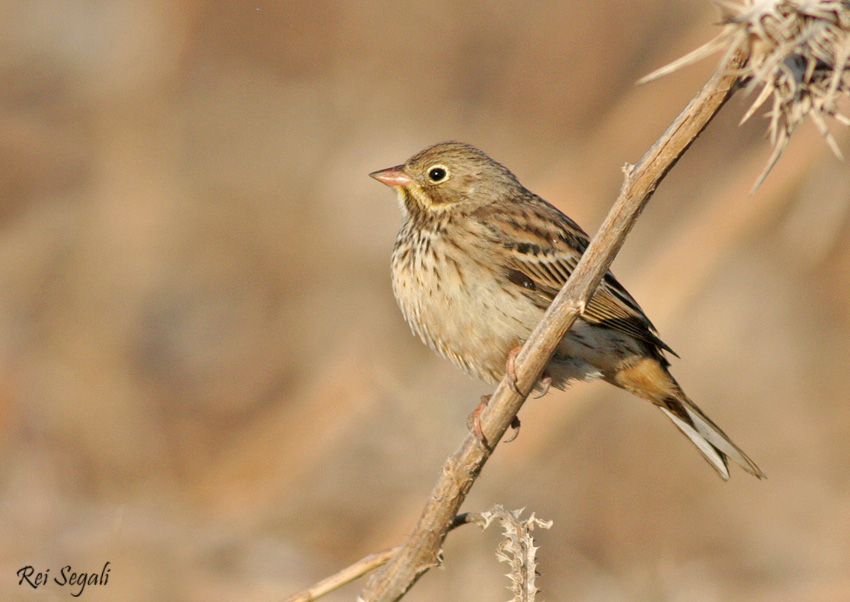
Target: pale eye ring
(438, 173)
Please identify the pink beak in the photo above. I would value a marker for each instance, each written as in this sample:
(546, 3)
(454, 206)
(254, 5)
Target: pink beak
(393, 176)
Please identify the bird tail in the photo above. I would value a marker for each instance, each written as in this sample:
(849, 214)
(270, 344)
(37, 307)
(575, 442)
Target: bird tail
(649, 378)
(714, 445)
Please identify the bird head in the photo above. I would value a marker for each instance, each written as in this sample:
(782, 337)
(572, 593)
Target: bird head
(446, 175)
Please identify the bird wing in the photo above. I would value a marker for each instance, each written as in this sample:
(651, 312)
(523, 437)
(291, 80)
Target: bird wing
(544, 247)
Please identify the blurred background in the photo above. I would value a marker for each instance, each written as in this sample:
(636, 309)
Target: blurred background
(205, 381)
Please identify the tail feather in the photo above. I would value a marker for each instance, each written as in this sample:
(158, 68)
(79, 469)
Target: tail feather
(710, 440)
(649, 378)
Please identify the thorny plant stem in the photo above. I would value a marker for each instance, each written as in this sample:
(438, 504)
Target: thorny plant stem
(421, 550)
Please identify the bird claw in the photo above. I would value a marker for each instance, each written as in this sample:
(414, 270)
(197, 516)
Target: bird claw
(474, 422)
(515, 424)
(510, 369)
(545, 383)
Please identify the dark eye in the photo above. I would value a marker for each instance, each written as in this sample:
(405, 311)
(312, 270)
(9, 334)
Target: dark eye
(438, 173)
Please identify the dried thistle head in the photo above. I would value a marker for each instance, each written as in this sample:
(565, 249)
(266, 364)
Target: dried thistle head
(798, 53)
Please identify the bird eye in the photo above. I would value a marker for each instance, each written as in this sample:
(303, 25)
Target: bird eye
(438, 174)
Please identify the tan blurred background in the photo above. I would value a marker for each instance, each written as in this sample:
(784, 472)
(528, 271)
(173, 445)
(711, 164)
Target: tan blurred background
(204, 379)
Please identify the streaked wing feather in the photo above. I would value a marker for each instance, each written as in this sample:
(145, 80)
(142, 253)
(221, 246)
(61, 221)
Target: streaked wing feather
(545, 245)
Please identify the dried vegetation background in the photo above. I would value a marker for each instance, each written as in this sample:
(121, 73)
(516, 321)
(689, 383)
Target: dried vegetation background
(203, 376)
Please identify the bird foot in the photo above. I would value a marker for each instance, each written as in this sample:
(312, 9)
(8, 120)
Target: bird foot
(474, 422)
(510, 369)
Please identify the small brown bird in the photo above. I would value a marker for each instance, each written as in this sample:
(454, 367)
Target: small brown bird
(478, 260)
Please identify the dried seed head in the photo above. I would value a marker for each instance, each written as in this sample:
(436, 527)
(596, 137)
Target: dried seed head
(798, 54)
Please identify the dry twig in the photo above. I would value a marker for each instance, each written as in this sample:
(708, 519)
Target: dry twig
(367, 564)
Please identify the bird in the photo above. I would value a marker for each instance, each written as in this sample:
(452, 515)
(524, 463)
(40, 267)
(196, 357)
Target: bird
(479, 258)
